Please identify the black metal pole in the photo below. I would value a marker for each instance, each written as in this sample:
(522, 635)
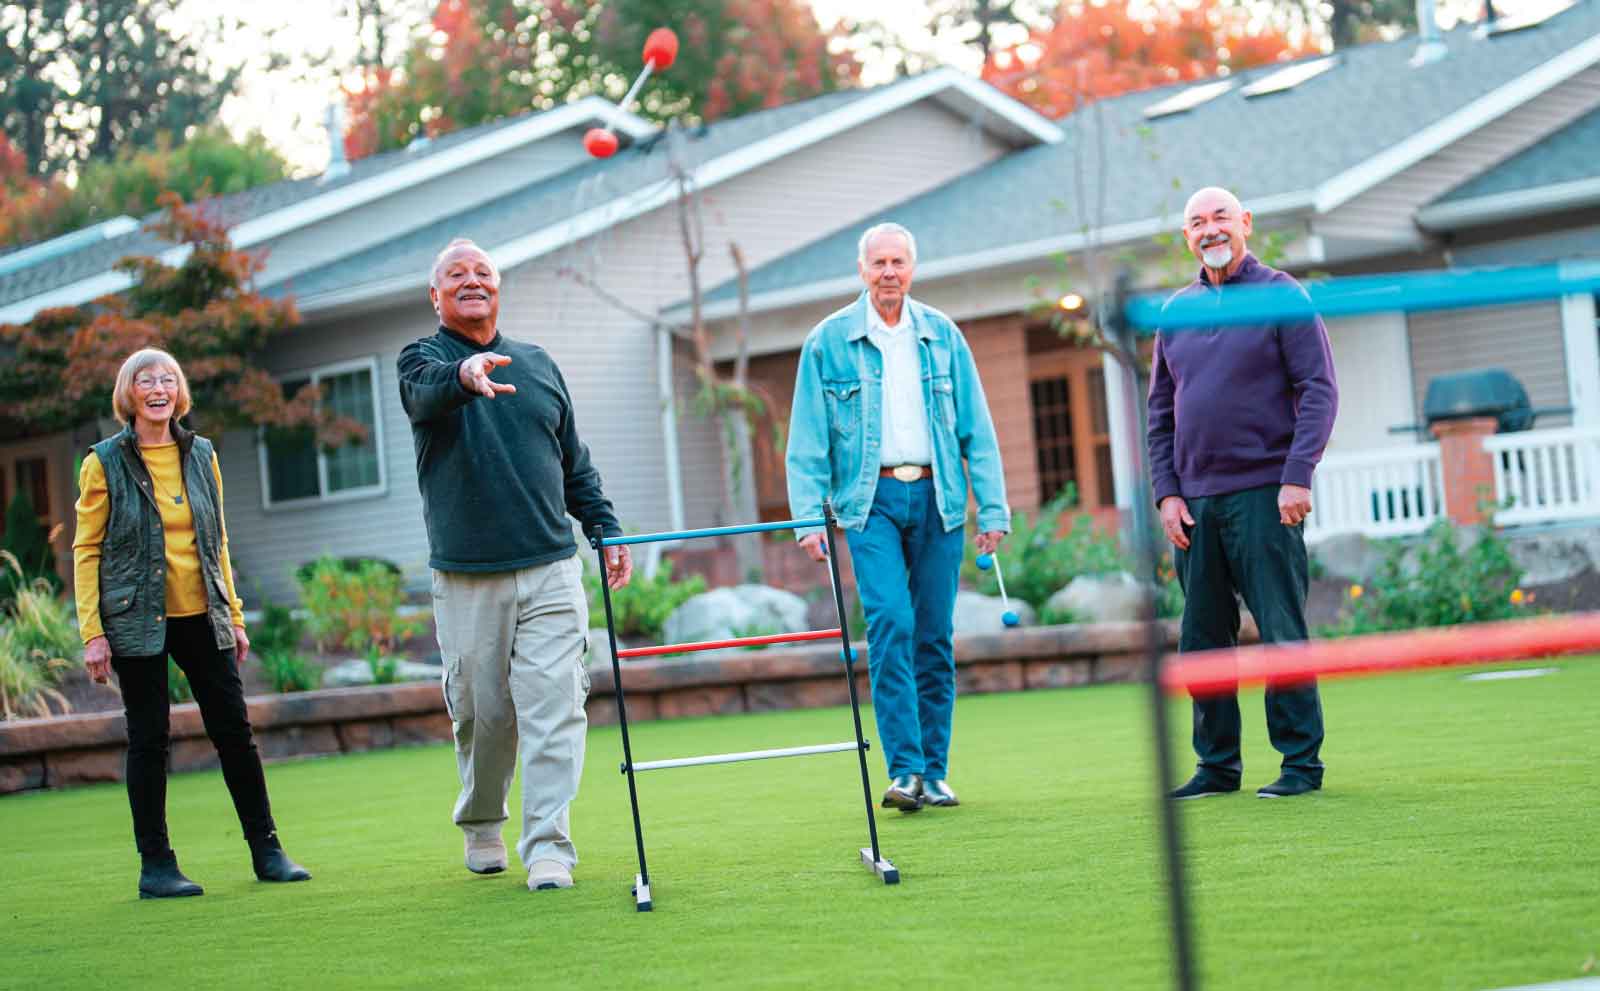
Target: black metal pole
(1149, 554)
(847, 657)
(597, 540)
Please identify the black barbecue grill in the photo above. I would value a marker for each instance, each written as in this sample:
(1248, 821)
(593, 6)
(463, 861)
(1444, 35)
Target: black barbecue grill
(1480, 392)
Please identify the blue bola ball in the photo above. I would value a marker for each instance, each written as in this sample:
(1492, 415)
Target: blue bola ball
(848, 658)
(985, 562)
(1011, 619)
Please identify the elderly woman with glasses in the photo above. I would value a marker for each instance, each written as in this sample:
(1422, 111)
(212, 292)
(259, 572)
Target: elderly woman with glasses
(153, 581)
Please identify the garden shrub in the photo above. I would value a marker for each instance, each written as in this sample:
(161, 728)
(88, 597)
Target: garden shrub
(38, 644)
(29, 556)
(355, 605)
(1039, 559)
(1450, 584)
(276, 642)
(640, 608)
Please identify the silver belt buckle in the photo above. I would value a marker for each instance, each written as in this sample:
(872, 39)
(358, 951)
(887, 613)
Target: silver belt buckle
(907, 473)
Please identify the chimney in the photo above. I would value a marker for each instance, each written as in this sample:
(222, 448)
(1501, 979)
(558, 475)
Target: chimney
(1430, 46)
(334, 122)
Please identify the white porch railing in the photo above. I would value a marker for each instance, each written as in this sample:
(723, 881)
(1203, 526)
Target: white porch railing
(1390, 492)
(1543, 476)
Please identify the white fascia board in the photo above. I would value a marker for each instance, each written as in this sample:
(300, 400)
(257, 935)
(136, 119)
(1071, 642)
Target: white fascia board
(1500, 207)
(317, 208)
(519, 251)
(1024, 122)
(980, 261)
(393, 180)
(1442, 133)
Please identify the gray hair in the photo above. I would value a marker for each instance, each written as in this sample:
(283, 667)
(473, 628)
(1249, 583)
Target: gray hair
(888, 227)
(459, 242)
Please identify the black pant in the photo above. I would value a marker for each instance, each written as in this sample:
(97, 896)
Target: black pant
(214, 678)
(1238, 545)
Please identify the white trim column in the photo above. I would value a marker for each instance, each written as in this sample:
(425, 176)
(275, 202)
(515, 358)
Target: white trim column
(1581, 339)
(1122, 466)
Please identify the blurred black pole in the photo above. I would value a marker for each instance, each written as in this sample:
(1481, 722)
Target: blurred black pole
(1147, 552)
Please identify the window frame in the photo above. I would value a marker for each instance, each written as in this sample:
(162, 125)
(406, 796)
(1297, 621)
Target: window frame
(323, 497)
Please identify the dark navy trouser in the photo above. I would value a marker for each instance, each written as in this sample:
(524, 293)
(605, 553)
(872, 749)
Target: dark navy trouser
(1238, 544)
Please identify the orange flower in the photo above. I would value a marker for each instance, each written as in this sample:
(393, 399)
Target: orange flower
(1356, 591)
(1517, 597)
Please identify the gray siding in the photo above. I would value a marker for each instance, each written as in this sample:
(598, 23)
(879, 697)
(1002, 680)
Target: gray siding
(1525, 340)
(268, 544)
(1386, 212)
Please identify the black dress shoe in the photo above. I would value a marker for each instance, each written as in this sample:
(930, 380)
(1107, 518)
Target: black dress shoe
(1203, 785)
(272, 864)
(159, 877)
(1288, 786)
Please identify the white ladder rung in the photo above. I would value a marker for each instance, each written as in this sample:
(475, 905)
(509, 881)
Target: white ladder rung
(820, 748)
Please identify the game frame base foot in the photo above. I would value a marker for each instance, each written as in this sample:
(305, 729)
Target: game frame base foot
(882, 866)
(641, 894)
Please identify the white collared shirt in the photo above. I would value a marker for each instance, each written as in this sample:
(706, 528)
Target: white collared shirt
(906, 438)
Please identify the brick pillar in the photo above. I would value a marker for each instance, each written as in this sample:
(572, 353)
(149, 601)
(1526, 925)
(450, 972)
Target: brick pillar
(1467, 469)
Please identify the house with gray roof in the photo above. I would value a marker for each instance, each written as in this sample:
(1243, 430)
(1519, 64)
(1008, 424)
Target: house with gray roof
(1369, 160)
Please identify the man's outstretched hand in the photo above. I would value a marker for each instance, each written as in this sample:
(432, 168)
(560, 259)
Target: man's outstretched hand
(475, 371)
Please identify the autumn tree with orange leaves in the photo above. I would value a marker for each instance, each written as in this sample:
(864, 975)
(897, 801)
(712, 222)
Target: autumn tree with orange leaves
(61, 365)
(1098, 50)
(487, 59)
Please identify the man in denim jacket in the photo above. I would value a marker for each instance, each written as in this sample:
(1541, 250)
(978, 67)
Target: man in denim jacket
(887, 405)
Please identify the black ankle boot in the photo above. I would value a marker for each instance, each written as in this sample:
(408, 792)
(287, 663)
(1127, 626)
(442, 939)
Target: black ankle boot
(159, 877)
(272, 864)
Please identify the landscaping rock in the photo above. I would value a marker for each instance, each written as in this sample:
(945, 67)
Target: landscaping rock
(1548, 558)
(1112, 598)
(979, 613)
(743, 610)
(1349, 557)
(357, 671)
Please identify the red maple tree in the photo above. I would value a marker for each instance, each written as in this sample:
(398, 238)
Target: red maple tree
(1096, 50)
(62, 363)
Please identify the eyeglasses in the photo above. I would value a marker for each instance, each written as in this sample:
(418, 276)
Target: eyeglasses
(151, 381)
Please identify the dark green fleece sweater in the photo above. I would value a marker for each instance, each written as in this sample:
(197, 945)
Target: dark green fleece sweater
(498, 476)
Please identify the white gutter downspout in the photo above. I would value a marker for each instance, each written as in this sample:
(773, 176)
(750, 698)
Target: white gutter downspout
(669, 426)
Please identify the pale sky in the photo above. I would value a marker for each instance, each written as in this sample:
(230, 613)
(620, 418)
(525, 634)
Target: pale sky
(288, 104)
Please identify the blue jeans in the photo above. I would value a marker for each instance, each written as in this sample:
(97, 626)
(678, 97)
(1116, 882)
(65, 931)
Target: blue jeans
(906, 567)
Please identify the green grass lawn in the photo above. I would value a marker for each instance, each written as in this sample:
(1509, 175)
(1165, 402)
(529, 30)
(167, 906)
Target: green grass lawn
(1455, 846)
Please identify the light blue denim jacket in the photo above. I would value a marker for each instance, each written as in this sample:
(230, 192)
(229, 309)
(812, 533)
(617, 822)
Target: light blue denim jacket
(836, 423)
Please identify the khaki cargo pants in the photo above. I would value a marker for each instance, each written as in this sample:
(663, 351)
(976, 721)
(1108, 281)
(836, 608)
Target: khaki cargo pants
(513, 645)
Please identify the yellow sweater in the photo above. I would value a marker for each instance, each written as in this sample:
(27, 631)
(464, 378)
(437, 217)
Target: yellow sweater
(186, 590)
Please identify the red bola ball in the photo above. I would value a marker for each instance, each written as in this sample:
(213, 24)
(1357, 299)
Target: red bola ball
(660, 49)
(600, 142)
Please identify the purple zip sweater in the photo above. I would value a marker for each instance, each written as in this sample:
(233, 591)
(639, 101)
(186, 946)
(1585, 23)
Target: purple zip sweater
(1239, 406)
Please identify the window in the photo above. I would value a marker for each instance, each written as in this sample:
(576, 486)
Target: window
(294, 470)
(1052, 426)
(33, 477)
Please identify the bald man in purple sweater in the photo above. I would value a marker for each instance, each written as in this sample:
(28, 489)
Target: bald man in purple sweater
(1239, 415)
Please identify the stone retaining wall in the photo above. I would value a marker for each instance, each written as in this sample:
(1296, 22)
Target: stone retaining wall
(72, 750)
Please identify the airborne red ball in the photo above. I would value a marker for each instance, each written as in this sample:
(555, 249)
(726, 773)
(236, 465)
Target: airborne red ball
(600, 142)
(660, 49)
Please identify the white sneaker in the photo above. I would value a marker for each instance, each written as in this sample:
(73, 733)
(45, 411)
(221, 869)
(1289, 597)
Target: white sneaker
(486, 856)
(546, 875)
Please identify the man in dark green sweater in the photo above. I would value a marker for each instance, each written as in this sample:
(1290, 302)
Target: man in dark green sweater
(501, 468)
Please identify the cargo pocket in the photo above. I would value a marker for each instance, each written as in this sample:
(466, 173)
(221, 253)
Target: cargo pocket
(581, 609)
(457, 690)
